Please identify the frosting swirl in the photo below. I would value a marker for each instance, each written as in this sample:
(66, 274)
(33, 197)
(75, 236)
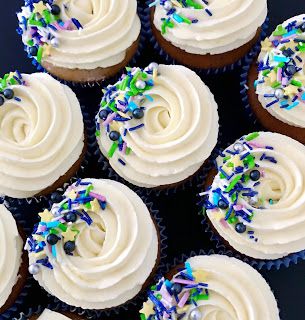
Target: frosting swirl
(114, 249)
(10, 254)
(52, 315)
(230, 289)
(41, 136)
(177, 131)
(257, 198)
(90, 34)
(281, 81)
(219, 27)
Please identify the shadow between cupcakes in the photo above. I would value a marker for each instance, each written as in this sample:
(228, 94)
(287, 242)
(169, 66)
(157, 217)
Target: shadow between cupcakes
(203, 65)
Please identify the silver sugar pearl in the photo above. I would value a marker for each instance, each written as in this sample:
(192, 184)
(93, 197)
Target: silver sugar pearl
(195, 314)
(279, 93)
(34, 269)
(140, 84)
(54, 42)
(168, 5)
(238, 147)
(153, 65)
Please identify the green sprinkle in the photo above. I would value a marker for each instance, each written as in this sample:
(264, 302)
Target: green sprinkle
(153, 288)
(226, 158)
(47, 16)
(30, 43)
(233, 183)
(39, 54)
(124, 83)
(222, 176)
(112, 107)
(62, 227)
(193, 4)
(88, 190)
(142, 316)
(128, 150)
(296, 83)
(275, 84)
(252, 136)
(159, 296)
(112, 149)
(266, 72)
(232, 220)
(234, 197)
(201, 297)
(280, 31)
(97, 133)
(54, 231)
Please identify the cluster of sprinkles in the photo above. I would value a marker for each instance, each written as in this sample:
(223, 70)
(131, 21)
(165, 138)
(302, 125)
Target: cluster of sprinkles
(39, 23)
(178, 298)
(123, 102)
(282, 67)
(175, 16)
(240, 175)
(7, 84)
(58, 226)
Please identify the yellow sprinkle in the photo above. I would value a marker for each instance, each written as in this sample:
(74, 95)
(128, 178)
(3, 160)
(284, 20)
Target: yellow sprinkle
(39, 255)
(148, 309)
(72, 195)
(38, 237)
(291, 91)
(39, 7)
(46, 50)
(69, 235)
(95, 206)
(176, 3)
(218, 215)
(200, 276)
(266, 45)
(46, 216)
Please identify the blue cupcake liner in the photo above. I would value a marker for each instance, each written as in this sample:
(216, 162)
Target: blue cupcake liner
(132, 62)
(19, 302)
(139, 298)
(244, 91)
(37, 310)
(27, 205)
(220, 243)
(202, 72)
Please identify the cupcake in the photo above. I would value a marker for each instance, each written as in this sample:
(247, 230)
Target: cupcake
(52, 315)
(42, 134)
(256, 200)
(157, 125)
(277, 86)
(80, 41)
(13, 263)
(211, 287)
(96, 248)
(207, 34)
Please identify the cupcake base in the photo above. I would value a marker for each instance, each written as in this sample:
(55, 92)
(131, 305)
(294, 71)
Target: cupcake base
(207, 61)
(94, 75)
(22, 278)
(264, 117)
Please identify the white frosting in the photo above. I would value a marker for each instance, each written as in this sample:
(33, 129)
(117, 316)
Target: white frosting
(233, 23)
(110, 27)
(52, 315)
(41, 136)
(10, 254)
(296, 116)
(180, 131)
(236, 290)
(113, 257)
(279, 227)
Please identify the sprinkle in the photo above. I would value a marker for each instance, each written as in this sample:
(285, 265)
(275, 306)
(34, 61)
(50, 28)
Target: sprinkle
(136, 127)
